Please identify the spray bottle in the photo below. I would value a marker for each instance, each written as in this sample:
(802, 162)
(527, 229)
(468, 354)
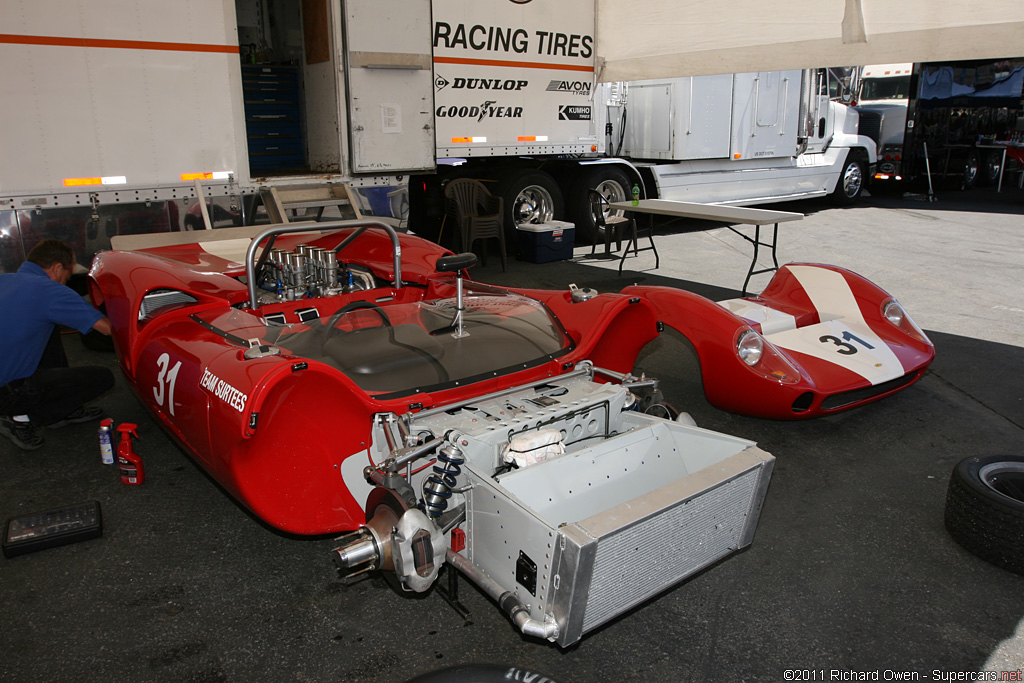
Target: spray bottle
(128, 461)
(106, 448)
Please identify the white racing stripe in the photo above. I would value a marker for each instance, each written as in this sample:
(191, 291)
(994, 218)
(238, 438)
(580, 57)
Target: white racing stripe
(854, 347)
(770, 320)
(843, 337)
(229, 250)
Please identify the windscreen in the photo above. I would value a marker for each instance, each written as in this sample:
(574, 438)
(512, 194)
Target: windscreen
(402, 348)
(896, 88)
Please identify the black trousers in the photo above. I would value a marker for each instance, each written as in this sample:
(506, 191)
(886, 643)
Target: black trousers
(55, 389)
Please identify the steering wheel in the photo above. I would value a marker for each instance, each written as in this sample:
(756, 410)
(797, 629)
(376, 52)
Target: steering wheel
(354, 306)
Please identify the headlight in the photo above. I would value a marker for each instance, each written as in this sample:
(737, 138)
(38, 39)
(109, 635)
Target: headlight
(749, 347)
(764, 359)
(894, 313)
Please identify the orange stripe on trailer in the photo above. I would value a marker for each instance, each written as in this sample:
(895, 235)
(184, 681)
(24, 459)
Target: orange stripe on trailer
(517, 65)
(196, 176)
(105, 180)
(63, 41)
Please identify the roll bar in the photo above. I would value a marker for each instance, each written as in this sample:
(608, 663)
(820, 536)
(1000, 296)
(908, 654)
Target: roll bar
(286, 228)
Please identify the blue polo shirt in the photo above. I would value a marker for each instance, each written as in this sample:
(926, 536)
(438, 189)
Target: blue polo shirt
(30, 305)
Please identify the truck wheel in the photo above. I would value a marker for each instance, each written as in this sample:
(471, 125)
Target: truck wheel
(611, 182)
(851, 180)
(970, 177)
(530, 197)
(985, 509)
(992, 164)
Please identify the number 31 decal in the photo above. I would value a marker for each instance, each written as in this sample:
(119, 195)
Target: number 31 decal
(165, 380)
(844, 347)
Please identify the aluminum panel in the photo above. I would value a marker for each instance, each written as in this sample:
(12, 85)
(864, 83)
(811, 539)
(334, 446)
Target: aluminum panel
(638, 562)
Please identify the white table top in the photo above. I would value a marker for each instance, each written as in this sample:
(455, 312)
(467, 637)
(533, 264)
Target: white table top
(709, 212)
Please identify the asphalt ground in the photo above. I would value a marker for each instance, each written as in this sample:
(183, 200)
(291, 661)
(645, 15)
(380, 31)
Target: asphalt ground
(851, 572)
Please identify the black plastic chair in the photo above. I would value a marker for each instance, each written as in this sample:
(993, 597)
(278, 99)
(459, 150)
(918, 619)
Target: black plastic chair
(607, 224)
(634, 234)
(477, 213)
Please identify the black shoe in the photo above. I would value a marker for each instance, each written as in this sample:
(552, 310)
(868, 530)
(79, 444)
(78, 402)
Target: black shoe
(24, 435)
(80, 414)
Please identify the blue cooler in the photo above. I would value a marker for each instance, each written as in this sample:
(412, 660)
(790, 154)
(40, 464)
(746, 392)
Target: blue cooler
(545, 242)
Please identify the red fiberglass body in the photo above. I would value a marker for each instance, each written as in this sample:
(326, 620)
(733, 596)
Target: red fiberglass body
(273, 386)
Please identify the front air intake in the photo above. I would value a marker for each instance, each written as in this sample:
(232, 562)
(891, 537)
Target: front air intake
(160, 299)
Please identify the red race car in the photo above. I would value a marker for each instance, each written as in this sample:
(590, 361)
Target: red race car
(344, 378)
(819, 339)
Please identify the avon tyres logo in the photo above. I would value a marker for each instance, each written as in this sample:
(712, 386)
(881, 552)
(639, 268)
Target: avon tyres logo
(440, 83)
(488, 109)
(574, 87)
(573, 112)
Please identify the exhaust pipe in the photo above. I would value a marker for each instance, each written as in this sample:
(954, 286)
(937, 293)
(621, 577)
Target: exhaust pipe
(507, 601)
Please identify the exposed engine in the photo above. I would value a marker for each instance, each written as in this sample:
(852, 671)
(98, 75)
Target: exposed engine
(308, 272)
(561, 499)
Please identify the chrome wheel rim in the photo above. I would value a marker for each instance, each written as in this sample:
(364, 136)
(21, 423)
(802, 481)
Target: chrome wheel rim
(612, 192)
(1005, 478)
(993, 167)
(852, 180)
(970, 171)
(533, 204)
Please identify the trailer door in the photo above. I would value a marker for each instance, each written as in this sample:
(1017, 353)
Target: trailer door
(390, 85)
(101, 98)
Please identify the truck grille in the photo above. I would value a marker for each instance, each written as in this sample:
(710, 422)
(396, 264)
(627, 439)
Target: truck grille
(870, 124)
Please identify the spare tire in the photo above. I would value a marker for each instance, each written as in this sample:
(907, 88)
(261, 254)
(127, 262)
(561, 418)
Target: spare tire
(481, 673)
(985, 509)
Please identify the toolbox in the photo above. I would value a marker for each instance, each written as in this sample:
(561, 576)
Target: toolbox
(41, 530)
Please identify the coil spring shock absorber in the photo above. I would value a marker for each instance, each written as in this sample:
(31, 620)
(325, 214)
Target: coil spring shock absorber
(437, 488)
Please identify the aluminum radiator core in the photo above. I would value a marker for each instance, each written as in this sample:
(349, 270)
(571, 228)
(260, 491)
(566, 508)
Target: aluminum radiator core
(585, 537)
(635, 562)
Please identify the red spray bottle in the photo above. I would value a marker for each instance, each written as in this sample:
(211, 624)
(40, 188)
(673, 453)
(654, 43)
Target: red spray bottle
(128, 461)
